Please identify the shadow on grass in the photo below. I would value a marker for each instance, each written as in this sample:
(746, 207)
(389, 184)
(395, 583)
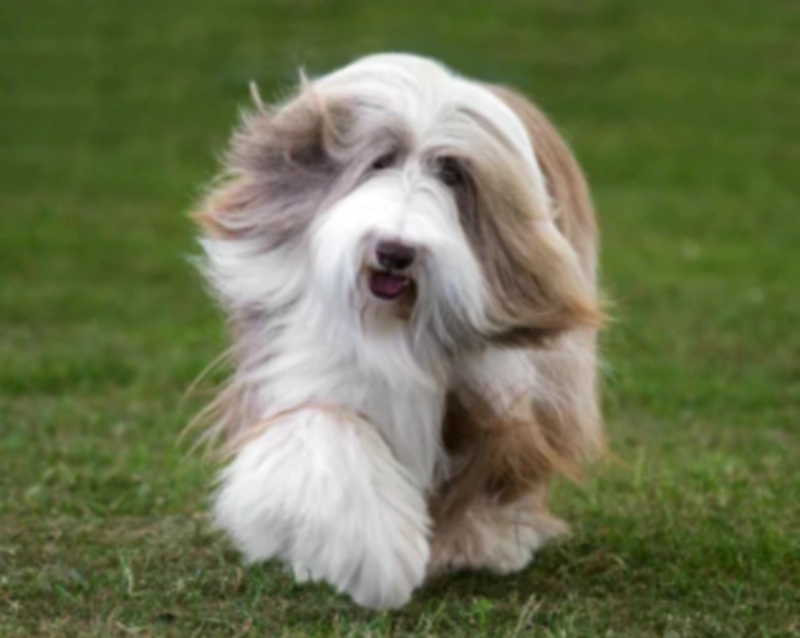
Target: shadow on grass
(555, 572)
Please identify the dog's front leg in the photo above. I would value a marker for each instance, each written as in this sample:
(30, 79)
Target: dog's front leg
(320, 490)
(501, 528)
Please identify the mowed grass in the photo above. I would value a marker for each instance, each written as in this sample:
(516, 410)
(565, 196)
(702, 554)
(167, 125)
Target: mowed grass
(686, 116)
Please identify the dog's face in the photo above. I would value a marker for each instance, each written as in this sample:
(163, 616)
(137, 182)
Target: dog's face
(404, 199)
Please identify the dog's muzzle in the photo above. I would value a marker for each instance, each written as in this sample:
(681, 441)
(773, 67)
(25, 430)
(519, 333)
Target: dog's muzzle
(389, 275)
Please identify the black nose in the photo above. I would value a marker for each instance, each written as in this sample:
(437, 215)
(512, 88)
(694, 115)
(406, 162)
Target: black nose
(393, 255)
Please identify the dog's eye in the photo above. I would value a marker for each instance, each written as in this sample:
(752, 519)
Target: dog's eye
(451, 172)
(387, 160)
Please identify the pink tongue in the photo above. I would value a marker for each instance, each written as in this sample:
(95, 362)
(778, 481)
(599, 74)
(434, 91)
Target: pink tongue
(386, 286)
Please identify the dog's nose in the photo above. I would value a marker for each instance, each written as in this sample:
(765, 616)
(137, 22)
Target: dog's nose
(393, 255)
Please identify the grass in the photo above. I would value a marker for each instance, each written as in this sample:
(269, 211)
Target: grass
(685, 115)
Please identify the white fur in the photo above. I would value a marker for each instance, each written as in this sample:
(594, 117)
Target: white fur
(425, 92)
(327, 496)
(413, 208)
(336, 499)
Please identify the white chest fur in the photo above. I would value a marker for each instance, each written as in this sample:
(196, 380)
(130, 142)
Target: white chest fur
(312, 362)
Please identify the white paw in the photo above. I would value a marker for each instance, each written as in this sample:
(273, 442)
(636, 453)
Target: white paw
(327, 498)
(378, 566)
(503, 540)
(512, 549)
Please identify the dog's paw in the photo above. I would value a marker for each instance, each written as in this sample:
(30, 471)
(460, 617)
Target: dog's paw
(500, 539)
(378, 560)
(327, 497)
(512, 549)
(377, 568)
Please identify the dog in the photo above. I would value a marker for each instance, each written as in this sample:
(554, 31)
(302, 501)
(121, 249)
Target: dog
(408, 263)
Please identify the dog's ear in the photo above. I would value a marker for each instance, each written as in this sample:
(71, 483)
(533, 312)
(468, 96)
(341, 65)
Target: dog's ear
(569, 193)
(540, 257)
(281, 164)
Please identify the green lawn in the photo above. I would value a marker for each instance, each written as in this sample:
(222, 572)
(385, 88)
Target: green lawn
(686, 116)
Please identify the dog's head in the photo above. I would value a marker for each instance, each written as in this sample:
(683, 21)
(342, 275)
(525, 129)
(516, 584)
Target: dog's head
(402, 198)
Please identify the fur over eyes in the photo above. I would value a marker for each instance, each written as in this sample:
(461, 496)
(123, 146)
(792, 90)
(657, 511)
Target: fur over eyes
(461, 399)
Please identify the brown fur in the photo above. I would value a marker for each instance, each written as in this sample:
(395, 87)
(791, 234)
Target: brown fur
(574, 211)
(539, 292)
(502, 458)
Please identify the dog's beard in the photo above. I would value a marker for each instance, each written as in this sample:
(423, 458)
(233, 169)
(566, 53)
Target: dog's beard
(434, 303)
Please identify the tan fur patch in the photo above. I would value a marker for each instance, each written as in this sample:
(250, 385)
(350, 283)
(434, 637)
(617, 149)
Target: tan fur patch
(542, 291)
(541, 280)
(574, 212)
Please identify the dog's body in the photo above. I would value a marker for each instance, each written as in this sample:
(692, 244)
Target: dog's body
(408, 262)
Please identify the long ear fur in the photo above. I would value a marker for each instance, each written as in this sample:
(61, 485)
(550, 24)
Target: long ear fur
(281, 164)
(506, 454)
(540, 263)
(569, 193)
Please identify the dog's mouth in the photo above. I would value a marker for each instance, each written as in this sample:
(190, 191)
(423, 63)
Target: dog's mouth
(388, 285)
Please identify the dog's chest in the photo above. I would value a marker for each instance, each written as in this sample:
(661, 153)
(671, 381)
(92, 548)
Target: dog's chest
(409, 418)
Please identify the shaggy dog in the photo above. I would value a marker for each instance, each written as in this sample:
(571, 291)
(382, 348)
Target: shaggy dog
(407, 259)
